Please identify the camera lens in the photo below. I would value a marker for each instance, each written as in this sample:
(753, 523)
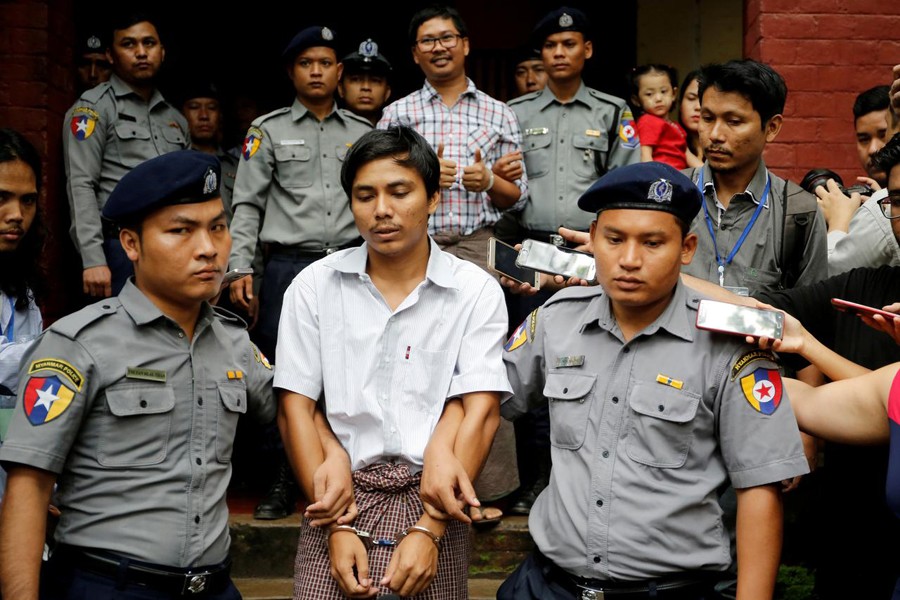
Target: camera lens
(817, 177)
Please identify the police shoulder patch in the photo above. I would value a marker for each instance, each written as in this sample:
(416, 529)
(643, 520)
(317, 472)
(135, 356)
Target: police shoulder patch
(763, 389)
(251, 142)
(46, 398)
(524, 332)
(748, 358)
(59, 366)
(83, 123)
(628, 136)
(260, 357)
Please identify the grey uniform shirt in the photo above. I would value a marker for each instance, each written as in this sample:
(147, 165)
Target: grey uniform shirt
(869, 243)
(564, 144)
(644, 433)
(758, 263)
(138, 422)
(107, 132)
(289, 179)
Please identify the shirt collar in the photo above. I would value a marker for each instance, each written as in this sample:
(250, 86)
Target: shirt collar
(755, 188)
(142, 311)
(437, 270)
(431, 92)
(546, 97)
(120, 88)
(673, 319)
(299, 110)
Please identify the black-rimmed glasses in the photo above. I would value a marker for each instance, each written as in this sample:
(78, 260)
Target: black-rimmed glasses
(448, 41)
(890, 205)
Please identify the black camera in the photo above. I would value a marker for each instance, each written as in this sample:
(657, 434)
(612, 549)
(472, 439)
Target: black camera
(817, 177)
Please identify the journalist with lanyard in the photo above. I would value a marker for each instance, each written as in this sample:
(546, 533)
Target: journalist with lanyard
(737, 246)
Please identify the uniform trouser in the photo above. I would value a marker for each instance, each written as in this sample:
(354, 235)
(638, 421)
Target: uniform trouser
(65, 582)
(120, 267)
(534, 579)
(280, 271)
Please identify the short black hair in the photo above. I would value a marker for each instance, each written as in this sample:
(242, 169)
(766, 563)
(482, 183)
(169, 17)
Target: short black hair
(756, 81)
(436, 11)
(634, 80)
(125, 19)
(888, 157)
(21, 275)
(401, 143)
(876, 98)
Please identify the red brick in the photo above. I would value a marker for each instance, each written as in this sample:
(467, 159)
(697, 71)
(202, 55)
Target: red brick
(751, 12)
(24, 14)
(826, 52)
(807, 6)
(776, 51)
(887, 53)
(800, 77)
(814, 104)
(835, 26)
(874, 27)
(780, 154)
(787, 26)
(31, 94)
(837, 130)
(27, 41)
(799, 130)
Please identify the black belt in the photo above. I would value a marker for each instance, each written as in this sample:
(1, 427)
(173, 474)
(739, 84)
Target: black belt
(283, 250)
(172, 580)
(675, 587)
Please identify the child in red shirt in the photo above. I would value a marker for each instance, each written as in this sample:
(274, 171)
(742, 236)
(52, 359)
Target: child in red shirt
(653, 95)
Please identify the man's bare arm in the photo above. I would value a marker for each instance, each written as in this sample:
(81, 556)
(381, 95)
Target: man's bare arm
(759, 537)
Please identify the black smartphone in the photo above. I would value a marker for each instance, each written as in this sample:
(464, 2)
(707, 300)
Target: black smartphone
(502, 259)
(235, 274)
(557, 260)
(737, 319)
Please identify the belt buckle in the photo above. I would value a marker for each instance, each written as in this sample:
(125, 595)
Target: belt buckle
(591, 594)
(194, 583)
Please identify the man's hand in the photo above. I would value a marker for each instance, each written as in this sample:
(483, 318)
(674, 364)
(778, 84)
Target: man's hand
(895, 90)
(446, 489)
(348, 554)
(888, 326)
(412, 566)
(582, 239)
(837, 208)
(509, 166)
(477, 177)
(333, 484)
(242, 292)
(448, 168)
(97, 281)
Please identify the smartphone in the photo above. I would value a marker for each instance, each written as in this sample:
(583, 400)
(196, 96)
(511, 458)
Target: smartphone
(861, 309)
(502, 260)
(235, 274)
(557, 260)
(740, 320)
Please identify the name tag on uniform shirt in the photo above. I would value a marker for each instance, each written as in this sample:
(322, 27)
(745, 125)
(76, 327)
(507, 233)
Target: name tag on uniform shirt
(537, 131)
(592, 132)
(145, 374)
(292, 142)
(569, 361)
(125, 117)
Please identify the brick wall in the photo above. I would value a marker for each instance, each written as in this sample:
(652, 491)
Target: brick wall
(36, 89)
(828, 51)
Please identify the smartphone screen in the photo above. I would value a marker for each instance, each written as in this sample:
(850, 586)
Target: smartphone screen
(861, 309)
(740, 320)
(557, 260)
(502, 259)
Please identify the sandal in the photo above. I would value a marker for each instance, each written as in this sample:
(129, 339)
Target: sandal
(490, 516)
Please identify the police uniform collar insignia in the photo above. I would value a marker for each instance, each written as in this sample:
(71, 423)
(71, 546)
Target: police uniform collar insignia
(565, 20)
(93, 42)
(327, 34)
(210, 184)
(368, 50)
(660, 191)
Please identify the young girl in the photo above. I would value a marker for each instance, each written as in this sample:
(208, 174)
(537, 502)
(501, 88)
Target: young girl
(653, 95)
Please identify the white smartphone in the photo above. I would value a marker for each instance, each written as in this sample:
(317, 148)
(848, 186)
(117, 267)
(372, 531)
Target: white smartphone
(502, 259)
(235, 274)
(557, 260)
(740, 320)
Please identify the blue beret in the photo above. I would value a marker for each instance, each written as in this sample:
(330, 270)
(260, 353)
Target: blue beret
(180, 177)
(367, 59)
(564, 18)
(644, 186)
(309, 38)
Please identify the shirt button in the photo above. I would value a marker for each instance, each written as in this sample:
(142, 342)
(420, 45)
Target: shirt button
(597, 559)
(199, 462)
(626, 350)
(181, 334)
(199, 401)
(615, 399)
(606, 454)
(197, 519)
(565, 390)
(660, 408)
(599, 502)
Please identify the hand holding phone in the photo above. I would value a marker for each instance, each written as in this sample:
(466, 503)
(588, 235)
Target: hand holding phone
(737, 319)
(235, 274)
(557, 260)
(861, 309)
(502, 259)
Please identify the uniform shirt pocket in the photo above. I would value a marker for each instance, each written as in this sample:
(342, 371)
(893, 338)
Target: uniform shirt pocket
(174, 138)
(294, 168)
(426, 380)
(758, 279)
(341, 152)
(232, 404)
(662, 429)
(132, 142)
(538, 154)
(135, 432)
(584, 164)
(570, 396)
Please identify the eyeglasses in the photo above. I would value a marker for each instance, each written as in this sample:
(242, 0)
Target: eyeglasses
(448, 41)
(890, 206)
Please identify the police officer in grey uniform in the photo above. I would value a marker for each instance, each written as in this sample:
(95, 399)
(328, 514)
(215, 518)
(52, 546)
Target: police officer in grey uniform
(288, 195)
(365, 86)
(130, 406)
(111, 129)
(649, 417)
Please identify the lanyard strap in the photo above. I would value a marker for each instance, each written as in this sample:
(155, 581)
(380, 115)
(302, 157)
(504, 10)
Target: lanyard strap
(10, 330)
(709, 224)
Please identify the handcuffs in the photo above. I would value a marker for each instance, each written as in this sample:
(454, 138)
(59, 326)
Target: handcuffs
(369, 541)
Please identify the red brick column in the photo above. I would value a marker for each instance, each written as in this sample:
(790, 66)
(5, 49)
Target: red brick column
(36, 89)
(828, 51)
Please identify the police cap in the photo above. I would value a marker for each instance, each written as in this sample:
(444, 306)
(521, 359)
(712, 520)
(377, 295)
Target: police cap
(367, 59)
(644, 186)
(197, 87)
(309, 38)
(564, 18)
(523, 53)
(92, 42)
(180, 177)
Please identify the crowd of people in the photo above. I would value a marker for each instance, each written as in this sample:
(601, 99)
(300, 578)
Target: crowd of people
(415, 390)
